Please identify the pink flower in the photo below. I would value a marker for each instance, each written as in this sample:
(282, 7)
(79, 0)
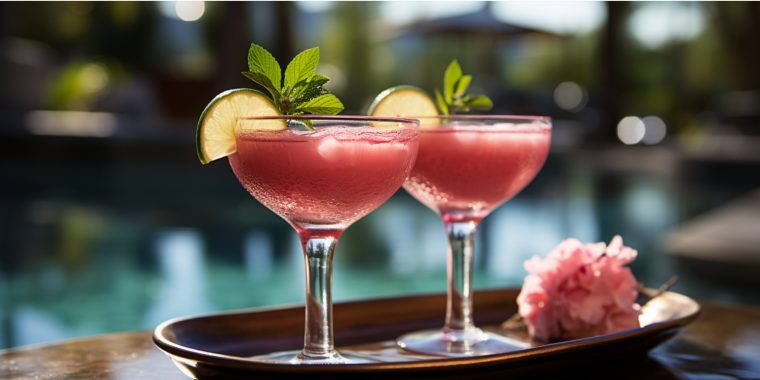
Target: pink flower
(580, 290)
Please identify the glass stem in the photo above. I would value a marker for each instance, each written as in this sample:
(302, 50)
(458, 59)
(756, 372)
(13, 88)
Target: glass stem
(459, 266)
(319, 249)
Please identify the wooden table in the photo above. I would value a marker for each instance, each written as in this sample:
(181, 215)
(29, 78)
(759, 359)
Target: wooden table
(723, 343)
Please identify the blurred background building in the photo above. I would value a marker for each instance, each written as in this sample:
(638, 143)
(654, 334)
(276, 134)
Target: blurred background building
(109, 223)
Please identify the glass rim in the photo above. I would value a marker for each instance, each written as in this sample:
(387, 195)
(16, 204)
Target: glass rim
(486, 117)
(381, 119)
(513, 122)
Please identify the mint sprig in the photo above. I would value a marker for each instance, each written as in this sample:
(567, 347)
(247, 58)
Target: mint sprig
(454, 98)
(301, 91)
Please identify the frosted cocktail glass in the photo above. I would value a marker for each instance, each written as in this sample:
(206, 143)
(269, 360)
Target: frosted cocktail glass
(466, 167)
(321, 181)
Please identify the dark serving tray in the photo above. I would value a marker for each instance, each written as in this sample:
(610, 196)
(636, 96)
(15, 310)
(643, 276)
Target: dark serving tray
(222, 345)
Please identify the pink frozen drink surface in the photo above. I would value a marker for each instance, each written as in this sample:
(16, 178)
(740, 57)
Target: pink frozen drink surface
(464, 172)
(330, 177)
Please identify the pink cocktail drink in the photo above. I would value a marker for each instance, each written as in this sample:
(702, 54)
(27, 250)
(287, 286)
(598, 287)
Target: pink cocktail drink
(328, 178)
(465, 172)
(321, 181)
(466, 167)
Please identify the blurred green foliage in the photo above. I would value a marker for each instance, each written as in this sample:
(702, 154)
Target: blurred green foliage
(365, 53)
(78, 85)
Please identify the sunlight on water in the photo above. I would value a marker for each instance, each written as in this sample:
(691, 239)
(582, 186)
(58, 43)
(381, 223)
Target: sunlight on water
(518, 231)
(258, 255)
(33, 326)
(134, 275)
(181, 263)
(395, 229)
(294, 265)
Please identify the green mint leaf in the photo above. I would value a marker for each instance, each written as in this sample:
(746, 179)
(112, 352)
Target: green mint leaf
(265, 82)
(318, 77)
(309, 93)
(460, 105)
(326, 104)
(462, 85)
(307, 89)
(262, 62)
(479, 102)
(302, 67)
(455, 98)
(301, 91)
(318, 80)
(444, 108)
(450, 78)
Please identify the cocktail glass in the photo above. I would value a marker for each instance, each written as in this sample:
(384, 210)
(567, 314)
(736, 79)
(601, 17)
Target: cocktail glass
(467, 166)
(321, 181)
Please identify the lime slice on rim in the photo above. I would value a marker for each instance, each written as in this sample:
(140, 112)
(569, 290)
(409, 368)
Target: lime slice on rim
(405, 101)
(215, 135)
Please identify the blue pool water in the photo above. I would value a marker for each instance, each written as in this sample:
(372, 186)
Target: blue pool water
(95, 249)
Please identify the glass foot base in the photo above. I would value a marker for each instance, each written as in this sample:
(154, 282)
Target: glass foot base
(295, 357)
(473, 342)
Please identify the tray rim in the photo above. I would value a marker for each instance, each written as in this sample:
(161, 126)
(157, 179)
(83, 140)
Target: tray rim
(193, 356)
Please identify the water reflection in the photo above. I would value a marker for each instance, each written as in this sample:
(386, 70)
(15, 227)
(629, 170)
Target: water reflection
(518, 231)
(395, 230)
(258, 255)
(181, 265)
(73, 268)
(32, 325)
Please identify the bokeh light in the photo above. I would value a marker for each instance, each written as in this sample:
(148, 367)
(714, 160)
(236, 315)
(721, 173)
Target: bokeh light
(655, 130)
(570, 96)
(189, 10)
(630, 130)
(93, 77)
(554, 16)
(655, 24)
